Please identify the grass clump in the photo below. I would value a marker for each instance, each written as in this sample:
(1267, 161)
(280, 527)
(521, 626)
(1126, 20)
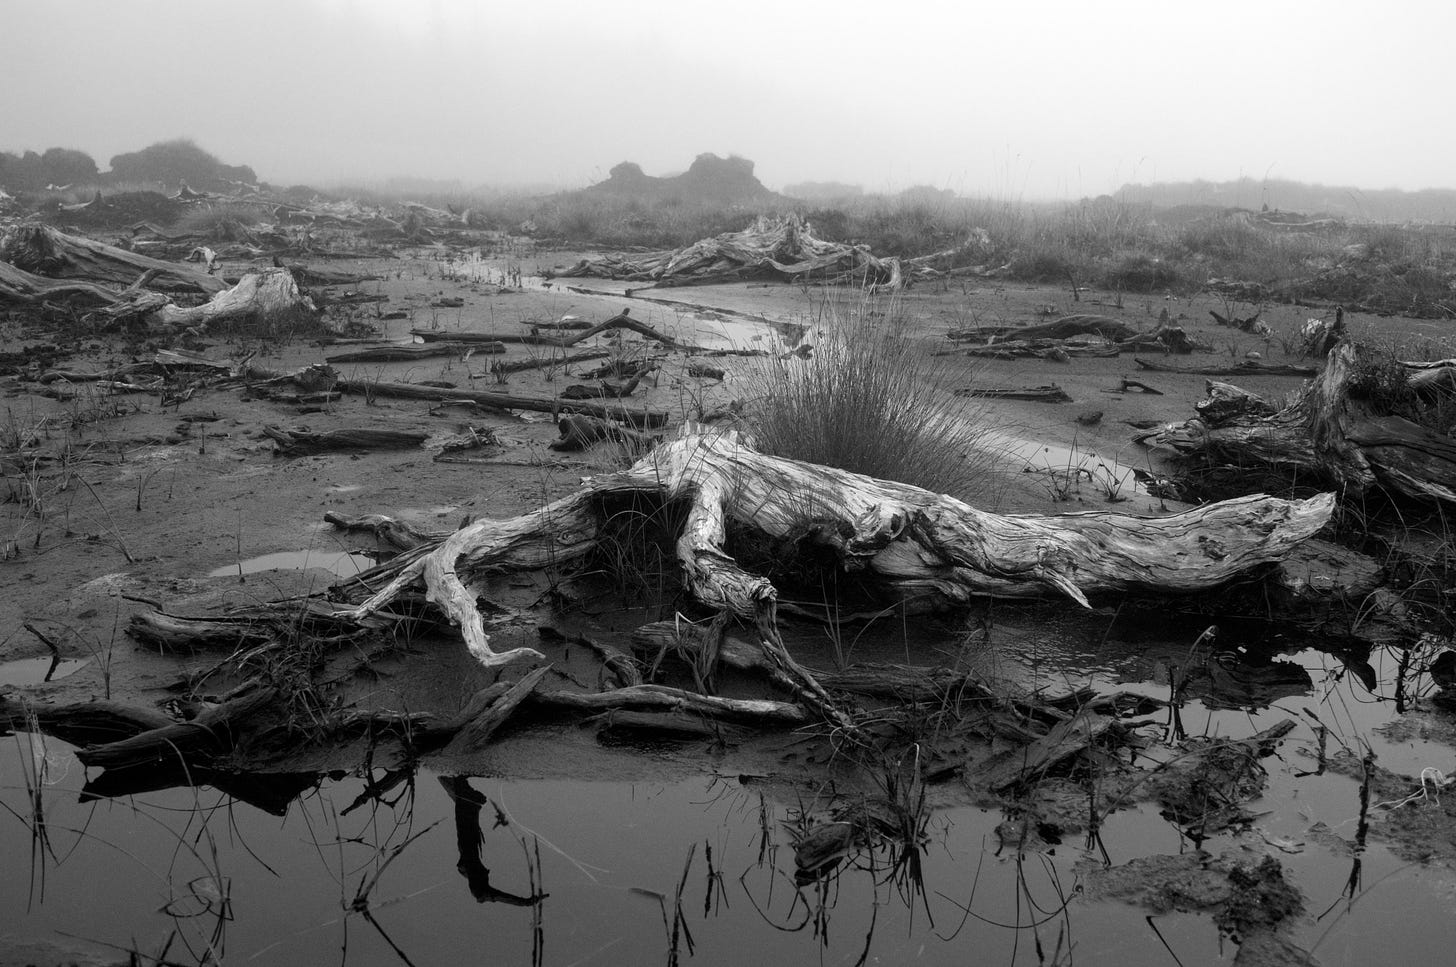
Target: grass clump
(866, 401)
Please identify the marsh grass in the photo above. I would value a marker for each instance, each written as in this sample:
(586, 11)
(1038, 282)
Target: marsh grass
(866, 401)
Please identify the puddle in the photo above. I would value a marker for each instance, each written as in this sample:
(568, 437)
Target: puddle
(35, 671)
(273, 867)
(342, 563)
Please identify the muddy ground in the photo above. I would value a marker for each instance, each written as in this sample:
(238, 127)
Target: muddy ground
(116, 500)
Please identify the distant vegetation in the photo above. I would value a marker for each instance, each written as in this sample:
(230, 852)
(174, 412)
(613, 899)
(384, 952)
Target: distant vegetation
(36, 172)
(1353, 204)
(165, 165)
(1176, 238)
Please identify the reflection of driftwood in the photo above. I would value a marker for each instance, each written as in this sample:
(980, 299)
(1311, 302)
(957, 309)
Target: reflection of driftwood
(581, 432)
(1324, 436)
(538, 404)
(1051, 393)
(912, 542)
(44, 251)
(468, 842)
(1248, 368)
(298, 441)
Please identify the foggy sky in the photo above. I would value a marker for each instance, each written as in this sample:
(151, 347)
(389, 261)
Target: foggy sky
(1019, 100)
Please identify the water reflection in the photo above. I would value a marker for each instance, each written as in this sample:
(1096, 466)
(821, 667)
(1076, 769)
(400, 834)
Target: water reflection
(406, 864)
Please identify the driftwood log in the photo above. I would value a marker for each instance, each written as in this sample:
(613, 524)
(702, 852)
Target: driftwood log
(910, 542)
(296, 442)
(638, 417)
(1326, 436)
(1248, 368)
(1050, 393)
(44, 251)
(261, 293)
(771, 248)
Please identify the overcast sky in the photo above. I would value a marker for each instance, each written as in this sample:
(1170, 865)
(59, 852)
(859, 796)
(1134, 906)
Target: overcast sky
(1020, 100)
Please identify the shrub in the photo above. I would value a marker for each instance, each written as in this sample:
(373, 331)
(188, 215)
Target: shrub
(866, 401)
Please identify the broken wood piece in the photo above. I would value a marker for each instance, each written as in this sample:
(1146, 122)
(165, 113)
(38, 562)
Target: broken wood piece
(582, 432)
(395, 533)
(693, 642)
(604, 390)
(453, 335)
(1078, 324)
(297, 442)
(704, 371)
(392, 354)
(648, 698)
(1029, 763)
(476, 733)
(1050, 393)
(1325, 435)
(641, 418)
(621, 666)
(1247, 368)
(1129, 385)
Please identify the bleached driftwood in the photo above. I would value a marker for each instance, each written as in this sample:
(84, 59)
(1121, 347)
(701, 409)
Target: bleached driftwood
(782, 248)
(44, 251)
(909, 541)
(264, 292)
(1325, 436)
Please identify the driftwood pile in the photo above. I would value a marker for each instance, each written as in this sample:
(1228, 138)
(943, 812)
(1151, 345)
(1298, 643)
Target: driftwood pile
(771, 248)
(110, 286)
(1077, 335)
(1333, 435)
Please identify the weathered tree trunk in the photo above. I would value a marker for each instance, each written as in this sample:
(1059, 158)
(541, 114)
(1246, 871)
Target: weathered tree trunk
(261, 293)
(413, 391)
(45, 251)
(1325, 437)
(296, 442)
(911, 542)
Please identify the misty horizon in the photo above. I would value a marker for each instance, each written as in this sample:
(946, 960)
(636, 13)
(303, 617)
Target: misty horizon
(1064, 102)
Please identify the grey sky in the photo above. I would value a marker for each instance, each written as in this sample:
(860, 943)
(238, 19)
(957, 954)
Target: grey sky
(1012, 99)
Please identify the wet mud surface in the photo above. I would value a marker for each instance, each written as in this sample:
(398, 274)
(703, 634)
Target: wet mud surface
(1262, 794)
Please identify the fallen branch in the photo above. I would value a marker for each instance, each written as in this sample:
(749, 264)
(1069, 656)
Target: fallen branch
(1247, 368)
(1051, 393)
(913, 543)
(300, 441)
(414, 391)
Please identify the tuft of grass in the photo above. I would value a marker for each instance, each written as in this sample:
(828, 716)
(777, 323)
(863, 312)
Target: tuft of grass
(866, 401)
